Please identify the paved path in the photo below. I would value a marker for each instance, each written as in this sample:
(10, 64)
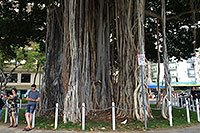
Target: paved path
(192, 129)
(5, 129)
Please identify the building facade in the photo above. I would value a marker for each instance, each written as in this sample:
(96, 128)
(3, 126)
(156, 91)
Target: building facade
(185, 71)
(22, 79)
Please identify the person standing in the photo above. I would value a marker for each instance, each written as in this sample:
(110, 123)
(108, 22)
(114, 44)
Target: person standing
(1, 106)
(12, 107)
(33, 97)
(193, 93)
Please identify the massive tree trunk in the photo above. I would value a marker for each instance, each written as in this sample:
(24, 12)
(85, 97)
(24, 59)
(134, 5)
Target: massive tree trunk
(92, 49)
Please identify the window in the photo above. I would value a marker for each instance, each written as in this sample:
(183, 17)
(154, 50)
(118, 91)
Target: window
(191, 65)
(191, 73)
(12, 78)
(26, 78)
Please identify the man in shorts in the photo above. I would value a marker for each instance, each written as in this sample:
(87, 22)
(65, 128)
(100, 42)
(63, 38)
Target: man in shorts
(33, 97)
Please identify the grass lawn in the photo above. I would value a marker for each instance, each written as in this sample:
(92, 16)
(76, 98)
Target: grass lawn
(179, 120)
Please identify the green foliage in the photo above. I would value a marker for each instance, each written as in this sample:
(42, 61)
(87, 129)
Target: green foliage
(18, 25)
(179, 40)
(30, 57)
(34, 57)
(24, 101)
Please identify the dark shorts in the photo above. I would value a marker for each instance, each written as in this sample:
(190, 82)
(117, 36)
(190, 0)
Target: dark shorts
(30, 108)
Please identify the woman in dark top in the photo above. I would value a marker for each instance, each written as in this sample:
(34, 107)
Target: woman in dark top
(12, 107)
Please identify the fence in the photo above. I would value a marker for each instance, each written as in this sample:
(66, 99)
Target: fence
(177, 102)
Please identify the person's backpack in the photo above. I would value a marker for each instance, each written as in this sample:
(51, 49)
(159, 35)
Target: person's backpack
(1, 103)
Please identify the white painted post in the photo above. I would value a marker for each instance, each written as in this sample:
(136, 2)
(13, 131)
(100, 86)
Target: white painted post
(188, 112)
(189, 104)
(185, 102)
(193, 107)
(170, 113)
(176, 98)
(113, 115)
(181, 102)
(17, 114)
(33, 120)
(6, 113)
(178, 102)
(83, 116)
(20, 103)
(64, 117)
(56, 116)
(197, 104)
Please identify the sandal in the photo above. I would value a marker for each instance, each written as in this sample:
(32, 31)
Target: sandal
(10, 126)
(15, 126)
(26, 129)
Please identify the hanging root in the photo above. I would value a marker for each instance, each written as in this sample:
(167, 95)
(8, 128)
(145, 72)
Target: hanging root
(164, 107)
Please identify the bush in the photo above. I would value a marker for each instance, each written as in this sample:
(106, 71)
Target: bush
(24, 101)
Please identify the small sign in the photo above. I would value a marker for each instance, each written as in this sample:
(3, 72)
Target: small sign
(141, 59)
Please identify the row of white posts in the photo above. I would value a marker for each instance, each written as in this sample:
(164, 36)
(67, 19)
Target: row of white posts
(175, 102)
(56, 115)
(17, 114)
(113, 116)
(83, 116)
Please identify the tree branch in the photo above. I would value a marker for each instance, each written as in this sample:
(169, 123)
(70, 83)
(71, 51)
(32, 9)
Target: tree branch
(178, 16)
(8, 76)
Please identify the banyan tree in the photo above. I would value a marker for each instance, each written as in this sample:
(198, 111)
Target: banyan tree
(91, 57)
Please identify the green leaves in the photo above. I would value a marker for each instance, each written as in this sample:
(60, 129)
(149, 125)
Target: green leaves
(20, 22)
(179, 40)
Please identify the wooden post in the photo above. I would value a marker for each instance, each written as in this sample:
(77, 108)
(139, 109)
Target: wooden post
(188, 112)
(170, 113)
(197, 104)
(6, 112)
(17, 114)
(56, 116)
(64, 117)
(181, 102)
(113, 115)
(189, 104)
(193, 107)
(178, 102)
(83, 116)
(20, 103)
(33, 120)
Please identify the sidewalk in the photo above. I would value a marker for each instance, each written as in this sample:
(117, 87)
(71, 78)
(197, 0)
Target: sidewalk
(192, 129)
(5, 129)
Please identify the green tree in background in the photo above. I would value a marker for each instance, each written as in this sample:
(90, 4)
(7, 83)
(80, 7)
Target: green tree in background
(20, 22)
(28, 57)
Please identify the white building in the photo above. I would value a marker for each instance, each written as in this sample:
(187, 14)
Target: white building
(186, 71)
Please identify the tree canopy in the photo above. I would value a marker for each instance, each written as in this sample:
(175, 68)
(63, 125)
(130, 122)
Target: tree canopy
(21, 21)
(182, 19)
